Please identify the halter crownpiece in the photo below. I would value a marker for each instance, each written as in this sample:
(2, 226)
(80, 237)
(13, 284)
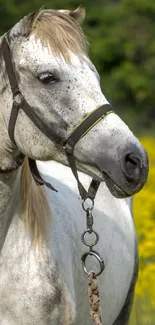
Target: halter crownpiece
(68, 144)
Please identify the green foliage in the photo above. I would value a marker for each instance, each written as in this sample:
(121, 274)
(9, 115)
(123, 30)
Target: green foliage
(123, 51)
(122, 38)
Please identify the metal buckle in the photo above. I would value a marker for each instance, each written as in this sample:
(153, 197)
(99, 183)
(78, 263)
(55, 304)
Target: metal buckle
(18, 98)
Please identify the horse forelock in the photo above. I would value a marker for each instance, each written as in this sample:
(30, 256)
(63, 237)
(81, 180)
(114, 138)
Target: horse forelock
(35, 207)
(60, 32)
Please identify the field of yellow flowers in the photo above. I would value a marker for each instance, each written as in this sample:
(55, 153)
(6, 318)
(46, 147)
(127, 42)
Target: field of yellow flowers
(144, 215)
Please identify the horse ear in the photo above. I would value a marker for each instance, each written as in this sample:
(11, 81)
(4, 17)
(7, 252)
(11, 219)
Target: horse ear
(79, 14)
(30, 20)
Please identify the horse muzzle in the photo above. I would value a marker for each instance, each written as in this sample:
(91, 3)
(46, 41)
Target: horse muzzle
(129, 175)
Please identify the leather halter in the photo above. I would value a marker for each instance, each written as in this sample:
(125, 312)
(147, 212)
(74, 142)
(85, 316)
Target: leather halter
(68, 144)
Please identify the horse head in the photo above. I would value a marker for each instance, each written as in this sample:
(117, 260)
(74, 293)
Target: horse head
(61, 85)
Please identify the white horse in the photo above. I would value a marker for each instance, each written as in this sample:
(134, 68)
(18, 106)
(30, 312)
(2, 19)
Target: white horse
(41, 278)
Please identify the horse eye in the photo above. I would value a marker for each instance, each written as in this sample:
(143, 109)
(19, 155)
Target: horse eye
(47, 78)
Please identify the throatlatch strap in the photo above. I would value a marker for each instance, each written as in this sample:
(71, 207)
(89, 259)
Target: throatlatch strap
(37, 177)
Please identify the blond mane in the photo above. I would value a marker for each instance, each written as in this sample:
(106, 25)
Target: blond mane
(35, 207)
(60, 32)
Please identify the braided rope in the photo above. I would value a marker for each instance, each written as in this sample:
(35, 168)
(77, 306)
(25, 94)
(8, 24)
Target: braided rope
(94, 299)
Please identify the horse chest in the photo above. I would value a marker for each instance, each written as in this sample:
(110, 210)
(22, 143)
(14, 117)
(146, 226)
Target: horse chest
(33, 292)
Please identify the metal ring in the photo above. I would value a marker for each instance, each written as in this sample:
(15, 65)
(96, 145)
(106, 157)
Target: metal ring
(88, 232)
(88, 209)
(95, 254)
(18, 97)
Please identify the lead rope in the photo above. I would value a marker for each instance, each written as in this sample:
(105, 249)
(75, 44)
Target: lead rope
(94, 299)
(93, 287)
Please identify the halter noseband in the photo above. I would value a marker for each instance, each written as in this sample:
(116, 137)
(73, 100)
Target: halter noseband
(68, 144)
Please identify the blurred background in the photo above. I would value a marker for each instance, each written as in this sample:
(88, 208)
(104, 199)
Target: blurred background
(121, 34)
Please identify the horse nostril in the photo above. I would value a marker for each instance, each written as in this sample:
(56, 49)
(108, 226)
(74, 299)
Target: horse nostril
(132, 166)
(133, 161)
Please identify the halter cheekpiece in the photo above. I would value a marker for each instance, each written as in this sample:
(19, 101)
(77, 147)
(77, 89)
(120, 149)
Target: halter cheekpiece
(19, 102)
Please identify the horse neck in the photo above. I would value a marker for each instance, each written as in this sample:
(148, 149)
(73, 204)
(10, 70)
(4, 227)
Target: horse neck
(10, 181)
(9, 201)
